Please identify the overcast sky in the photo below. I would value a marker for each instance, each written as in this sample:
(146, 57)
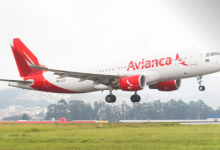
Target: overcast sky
(71, 34)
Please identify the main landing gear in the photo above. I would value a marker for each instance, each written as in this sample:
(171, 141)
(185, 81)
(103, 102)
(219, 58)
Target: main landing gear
(201, 87)
(135, 98)
(110, 98)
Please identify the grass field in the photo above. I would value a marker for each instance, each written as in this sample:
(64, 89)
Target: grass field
(133, 136)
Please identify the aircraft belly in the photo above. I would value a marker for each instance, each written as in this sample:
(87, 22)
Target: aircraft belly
(71, 84)
(178, 73)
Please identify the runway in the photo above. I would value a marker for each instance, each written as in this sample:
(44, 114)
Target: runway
(199, 123)
(182, 122)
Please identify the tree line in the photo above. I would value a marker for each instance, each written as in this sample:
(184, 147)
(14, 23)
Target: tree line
(156, 110)
(22, 117)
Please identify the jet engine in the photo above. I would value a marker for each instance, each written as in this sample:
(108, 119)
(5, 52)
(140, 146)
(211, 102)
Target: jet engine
(166, 85)
(132, 83)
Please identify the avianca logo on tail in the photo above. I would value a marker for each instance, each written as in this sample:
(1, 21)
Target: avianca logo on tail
(27, 58)
(181, 61)
(150, 64)
(29, 61)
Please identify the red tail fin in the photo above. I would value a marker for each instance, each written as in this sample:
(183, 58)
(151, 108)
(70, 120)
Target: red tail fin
(23, 56)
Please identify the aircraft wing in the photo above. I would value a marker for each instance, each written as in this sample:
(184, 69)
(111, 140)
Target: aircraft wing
(106, 79)
(16, 81)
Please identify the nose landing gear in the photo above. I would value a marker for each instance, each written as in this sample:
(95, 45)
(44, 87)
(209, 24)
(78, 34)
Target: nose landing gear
(201, 87)
(135, 98)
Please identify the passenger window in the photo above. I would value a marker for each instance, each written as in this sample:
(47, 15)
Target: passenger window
(212, 54)
(207, 55)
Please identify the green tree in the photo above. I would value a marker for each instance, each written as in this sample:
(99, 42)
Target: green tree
(79, 110)
(12, 118)
(25, 117)
(62, 109)
(51, 112)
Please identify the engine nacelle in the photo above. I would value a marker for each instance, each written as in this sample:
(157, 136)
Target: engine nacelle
(166, 85)
(132, 83)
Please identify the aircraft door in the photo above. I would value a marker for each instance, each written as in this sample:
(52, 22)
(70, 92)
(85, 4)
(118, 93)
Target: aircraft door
(193, 57)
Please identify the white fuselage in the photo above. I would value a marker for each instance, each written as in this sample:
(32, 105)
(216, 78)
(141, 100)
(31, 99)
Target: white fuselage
(191, 64)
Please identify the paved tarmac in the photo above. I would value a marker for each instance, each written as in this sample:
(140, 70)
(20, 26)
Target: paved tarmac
(199, 123)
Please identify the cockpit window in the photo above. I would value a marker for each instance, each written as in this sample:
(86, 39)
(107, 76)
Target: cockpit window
(207, 55)
(217, 53)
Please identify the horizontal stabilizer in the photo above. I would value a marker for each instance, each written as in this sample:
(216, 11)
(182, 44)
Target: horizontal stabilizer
(17, 81)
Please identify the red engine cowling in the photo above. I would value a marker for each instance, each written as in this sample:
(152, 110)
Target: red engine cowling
(167, 85)
(132, 83)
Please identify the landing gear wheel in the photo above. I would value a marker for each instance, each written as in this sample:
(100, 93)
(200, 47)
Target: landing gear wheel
(138, 98)
(114, 98)
(110, 98)
(135, 98)
(202, 88)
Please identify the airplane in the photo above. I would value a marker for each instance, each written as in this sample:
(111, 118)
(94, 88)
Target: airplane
(160, 71)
